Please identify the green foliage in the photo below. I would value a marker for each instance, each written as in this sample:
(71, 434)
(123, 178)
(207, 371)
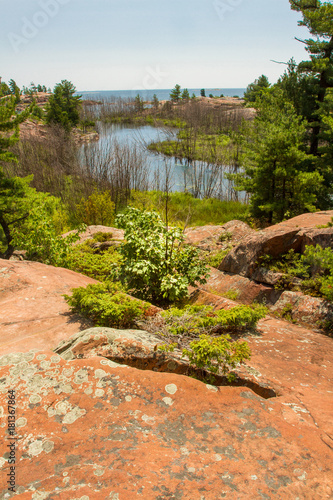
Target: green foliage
(275, 165)
(175, 93)
(185, 209)
(185, 95)
(98, 209)
(215, 259)
(106, 305)
(38, 233)
(256, 89)
(101, 237)
(63, 106)
(202, 93)
(314, 268)
(155, 102)
(196, 320)
(156, 265)
(139, 104)
(217, 354)
(232, 294)
(100, 266)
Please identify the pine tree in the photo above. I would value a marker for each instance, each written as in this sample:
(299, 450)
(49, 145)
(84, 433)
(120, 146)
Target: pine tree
(256, 89)
(155, 102)
(12, 190)
(63, 106)
(185, 95)
(175, 93)
(318, 18)
(274, 162)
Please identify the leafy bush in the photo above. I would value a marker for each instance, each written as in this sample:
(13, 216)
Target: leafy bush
(196, 320)
(39, 232)
(314, 268)
(156, 265)
(215, 259)
(101, 237)
(106, 305)
(217, 354)
(100, 266)
(98, 209)
(202, 333)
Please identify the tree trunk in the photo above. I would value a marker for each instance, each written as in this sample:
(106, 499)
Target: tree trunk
(10, 249)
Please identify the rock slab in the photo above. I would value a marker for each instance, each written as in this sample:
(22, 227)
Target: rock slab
(91, 429)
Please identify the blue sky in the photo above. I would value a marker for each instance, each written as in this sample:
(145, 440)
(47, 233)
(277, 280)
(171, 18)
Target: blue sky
(137, 44)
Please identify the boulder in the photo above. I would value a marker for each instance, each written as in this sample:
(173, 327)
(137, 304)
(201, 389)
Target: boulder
(305, 309)
(135, 348)
(243, 289)
(215, 237)
(88, 234)
(277, 240)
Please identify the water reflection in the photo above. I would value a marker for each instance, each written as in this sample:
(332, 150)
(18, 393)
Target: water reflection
(149, 170)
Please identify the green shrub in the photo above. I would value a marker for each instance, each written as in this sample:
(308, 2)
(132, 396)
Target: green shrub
(156, 265)
(106, 305)
(98, 209)
(100, 266)
(39, 232)
(196, 320)
(314, 268)
(215, 259)
(100, 237)
(217, 354)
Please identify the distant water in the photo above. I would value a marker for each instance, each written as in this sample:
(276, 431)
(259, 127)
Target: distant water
(147, 95)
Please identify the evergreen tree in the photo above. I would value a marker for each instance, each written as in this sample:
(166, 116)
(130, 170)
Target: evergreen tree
(63, 106)
(175, 93)
(274, 162)
(256, 89)
(13, 191)
(185, 95)
(139, 105)
(203, 93)
(155, 102)
(318, 18)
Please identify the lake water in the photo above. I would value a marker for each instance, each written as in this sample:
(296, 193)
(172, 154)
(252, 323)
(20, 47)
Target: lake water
(198, 177)
(162, 94)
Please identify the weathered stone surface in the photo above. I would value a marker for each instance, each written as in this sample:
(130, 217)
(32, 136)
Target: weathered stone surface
(117, 234)
(276, 240)
(94, 429)
(304, 309)
(33, 311)
(212, 237)
(247, 290)
(136, 348)
(296, 362)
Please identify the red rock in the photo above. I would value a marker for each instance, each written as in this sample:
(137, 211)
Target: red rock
(33, 311)
(246, 290)
(136, 348)
(210, 237)
(304, 309)
(117, 234)
(276, 240)
(93, 429)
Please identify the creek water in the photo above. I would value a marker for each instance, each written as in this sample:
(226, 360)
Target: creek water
(197, 177)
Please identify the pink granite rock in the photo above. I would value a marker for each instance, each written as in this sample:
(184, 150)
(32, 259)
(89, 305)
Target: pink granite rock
(276, 240)
(94, 429)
